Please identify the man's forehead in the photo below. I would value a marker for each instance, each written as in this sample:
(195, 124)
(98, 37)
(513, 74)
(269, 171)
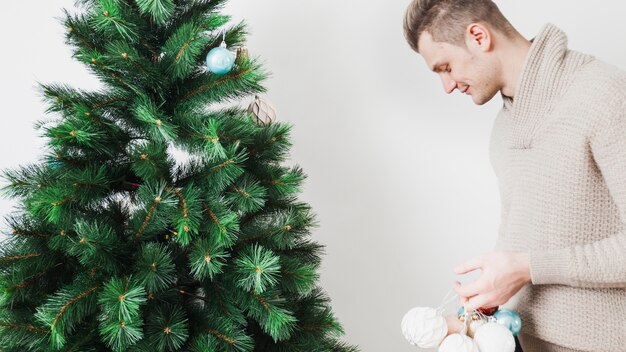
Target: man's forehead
(433, 52)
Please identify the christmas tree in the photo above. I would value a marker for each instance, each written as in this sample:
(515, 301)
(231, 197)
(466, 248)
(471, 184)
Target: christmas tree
(117, 245)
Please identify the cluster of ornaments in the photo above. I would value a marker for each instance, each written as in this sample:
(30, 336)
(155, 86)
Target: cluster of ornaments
(220, 61)
(483, 330)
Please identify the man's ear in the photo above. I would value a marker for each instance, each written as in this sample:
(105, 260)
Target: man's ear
(478, 36)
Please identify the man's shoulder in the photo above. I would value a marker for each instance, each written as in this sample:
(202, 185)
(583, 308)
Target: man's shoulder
(597, 90)
(601, 78)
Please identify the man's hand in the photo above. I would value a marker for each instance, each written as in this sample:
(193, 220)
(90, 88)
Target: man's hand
(503, 274)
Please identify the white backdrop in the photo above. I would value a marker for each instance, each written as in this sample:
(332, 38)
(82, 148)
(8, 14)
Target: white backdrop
(399, 173)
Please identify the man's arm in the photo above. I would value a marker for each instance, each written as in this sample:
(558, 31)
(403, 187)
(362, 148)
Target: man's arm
(601, 263)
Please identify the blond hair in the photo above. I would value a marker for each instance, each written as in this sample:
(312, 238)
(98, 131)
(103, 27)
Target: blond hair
(446, 20)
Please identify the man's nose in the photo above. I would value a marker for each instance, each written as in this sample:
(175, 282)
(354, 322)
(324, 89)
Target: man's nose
(449, 85)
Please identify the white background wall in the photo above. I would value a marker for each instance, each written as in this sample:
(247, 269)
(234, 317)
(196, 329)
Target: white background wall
(399, 173)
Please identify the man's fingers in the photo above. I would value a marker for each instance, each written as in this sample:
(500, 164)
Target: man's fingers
(476, 302)
(470, 265)
(470, 289)
(462, 300)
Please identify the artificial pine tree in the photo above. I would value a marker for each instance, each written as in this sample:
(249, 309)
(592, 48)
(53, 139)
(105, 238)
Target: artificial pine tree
(116, 246)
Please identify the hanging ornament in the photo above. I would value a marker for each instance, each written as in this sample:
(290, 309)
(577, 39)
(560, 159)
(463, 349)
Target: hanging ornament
(461, 313)
(471, 322)
(458, 343)
(485, 311)
(475, 315)
(474, 325)
(510, 319)
(242, 55)
(262, 111)
(220, 60)
(493, 337)
(488, 311)
(55, 162)
(424, 327)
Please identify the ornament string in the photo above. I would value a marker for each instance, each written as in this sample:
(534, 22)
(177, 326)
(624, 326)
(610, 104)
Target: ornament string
(446, 301)
(467, 320)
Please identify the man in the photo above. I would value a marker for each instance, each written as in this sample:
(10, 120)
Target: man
(558, 148)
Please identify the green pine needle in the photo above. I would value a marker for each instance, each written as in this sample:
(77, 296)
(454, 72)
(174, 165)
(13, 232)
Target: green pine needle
(121, 299)
(154, 122)
(155, 269)
(247, 195)
(150, 161)
(207, 259)
(221, 173)
(298, 277)
(184, 48)
(50, 203)
(223, 225)
(26, 180)
(274, 319)
(107, 16)
(257, 269)
(159, 10)
(120, 334)
(219, 334)
(66, 308)
(153, 217)
(95, 245)
(190, 214)
(167, 329)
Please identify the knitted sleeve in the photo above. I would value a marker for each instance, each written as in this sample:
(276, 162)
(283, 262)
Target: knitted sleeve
(600, 264)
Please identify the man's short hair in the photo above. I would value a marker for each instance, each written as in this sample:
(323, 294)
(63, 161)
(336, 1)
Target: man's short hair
(446, 20)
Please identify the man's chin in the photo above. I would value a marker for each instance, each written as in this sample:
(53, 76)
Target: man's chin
(478, 102)
(481, 100)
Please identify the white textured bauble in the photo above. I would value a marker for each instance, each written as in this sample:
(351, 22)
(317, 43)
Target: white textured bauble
(458, 343)
(424, 327)
(493, 337)
(262, 110)
(474, 325)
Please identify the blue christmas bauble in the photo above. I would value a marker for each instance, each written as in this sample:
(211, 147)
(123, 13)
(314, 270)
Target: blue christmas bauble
(220, 60)
(54, 165)
(509, 319)
(460, 312)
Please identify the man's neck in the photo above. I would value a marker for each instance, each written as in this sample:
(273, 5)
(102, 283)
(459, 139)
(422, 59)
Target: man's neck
(512, 62)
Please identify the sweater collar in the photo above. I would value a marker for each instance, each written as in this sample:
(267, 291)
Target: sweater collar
(545, 74)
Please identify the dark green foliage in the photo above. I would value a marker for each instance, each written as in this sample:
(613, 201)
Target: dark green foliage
(159, 10)
(120, 319)
(155, 269)
(167, 328)
(116, 245)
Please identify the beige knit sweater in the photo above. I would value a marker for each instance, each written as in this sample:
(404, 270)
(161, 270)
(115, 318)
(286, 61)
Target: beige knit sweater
(558, 149)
